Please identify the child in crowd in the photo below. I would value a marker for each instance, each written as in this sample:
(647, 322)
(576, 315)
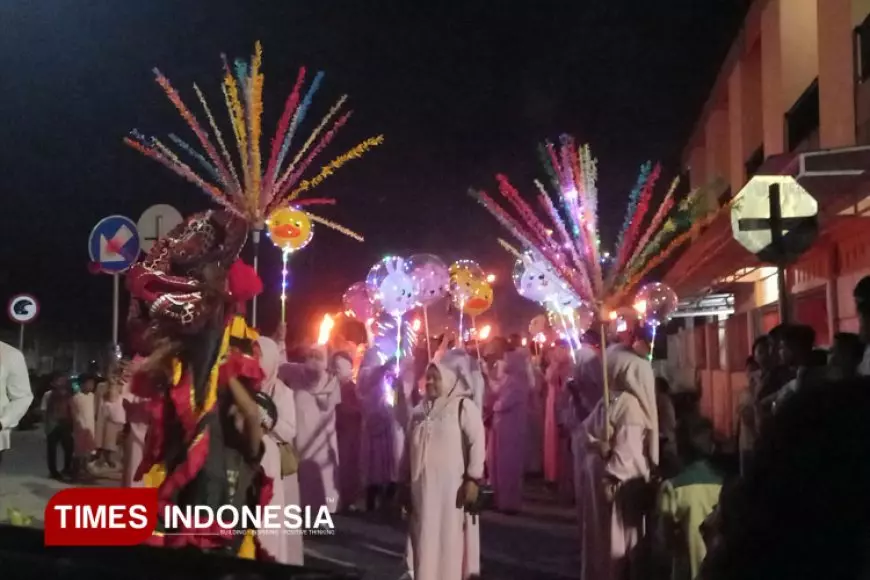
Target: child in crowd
(58, 424)
(84, 424)
(112, 419)
(686, 500)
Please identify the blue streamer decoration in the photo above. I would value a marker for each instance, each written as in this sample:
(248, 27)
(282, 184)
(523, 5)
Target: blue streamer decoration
(633, 198)
(196, 155)
(298, 117)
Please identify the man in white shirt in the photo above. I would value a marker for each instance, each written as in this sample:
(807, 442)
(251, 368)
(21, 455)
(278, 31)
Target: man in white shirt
(15, 393)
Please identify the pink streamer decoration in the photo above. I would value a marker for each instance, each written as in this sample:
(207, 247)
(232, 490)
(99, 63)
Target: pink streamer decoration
(290, 106)
(288, 182)
(637, 219)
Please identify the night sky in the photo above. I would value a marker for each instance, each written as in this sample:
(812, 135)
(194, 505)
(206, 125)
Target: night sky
(460, 89)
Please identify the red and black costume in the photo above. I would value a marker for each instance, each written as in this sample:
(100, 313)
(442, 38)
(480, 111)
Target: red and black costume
(187, 295)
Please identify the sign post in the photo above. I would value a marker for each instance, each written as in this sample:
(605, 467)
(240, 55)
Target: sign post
(776, 219)
(22, 310)
(114, 246)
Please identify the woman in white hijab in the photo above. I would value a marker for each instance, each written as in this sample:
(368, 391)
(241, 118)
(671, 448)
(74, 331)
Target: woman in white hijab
(616, 475)
(443, 467)
(285, 548)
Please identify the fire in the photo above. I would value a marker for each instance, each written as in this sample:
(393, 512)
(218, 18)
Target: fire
(325, 329)
(640, 306)
(416, 325)
(484, 332)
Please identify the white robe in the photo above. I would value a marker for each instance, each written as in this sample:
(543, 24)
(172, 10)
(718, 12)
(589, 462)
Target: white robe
(316, 395)
(445, 541)
(15, 392)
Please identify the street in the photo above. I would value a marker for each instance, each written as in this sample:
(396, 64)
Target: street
(540, 543)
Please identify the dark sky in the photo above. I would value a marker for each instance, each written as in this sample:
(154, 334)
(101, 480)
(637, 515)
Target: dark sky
(461, 89)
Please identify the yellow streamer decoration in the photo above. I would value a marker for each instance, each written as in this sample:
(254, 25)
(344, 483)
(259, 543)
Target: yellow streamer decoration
(336, 164)
(337, 227)
(237, 115)
(220, 138)
(255, 112)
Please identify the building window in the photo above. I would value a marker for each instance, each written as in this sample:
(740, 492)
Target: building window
(803, 118)
(755, 161)
(862, 40)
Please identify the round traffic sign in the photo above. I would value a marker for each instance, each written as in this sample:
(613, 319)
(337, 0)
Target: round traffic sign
(156, 222)
(114, 244)
(23, 309)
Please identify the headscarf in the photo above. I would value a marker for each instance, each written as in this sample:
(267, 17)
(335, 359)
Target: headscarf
(270, 360)
(451, 388)
(633, 374)
(460, 364)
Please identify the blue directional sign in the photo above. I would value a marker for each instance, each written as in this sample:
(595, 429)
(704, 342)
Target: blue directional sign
(114, 244)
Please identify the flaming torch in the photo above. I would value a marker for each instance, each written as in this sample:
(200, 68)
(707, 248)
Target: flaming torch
(325, 329)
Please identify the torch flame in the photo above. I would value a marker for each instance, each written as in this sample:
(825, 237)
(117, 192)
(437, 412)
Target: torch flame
(325, 329)
(484, 332)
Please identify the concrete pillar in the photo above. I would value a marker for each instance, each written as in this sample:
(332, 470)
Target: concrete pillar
(836, 74)
(737, 153)
(773, 110)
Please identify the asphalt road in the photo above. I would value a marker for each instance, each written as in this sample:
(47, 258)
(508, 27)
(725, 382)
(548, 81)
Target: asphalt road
(538, 544)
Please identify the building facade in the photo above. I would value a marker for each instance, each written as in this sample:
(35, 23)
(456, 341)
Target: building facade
(792, 98)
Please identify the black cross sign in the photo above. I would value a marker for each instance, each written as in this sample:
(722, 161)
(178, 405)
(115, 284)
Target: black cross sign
(776, 224)
(157, 220)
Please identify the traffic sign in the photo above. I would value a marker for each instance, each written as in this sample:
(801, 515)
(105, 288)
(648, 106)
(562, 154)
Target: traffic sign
(114, 244)
(23, 309)
(775, 218)
(156, 222)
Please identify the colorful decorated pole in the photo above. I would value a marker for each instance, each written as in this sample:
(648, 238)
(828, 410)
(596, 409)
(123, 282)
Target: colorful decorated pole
(426, 328)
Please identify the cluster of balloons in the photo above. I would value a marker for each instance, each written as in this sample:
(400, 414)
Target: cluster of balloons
(395, 285)
(536, 280)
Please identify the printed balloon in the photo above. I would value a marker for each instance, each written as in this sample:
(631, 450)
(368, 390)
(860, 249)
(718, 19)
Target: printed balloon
(390, 286)
(656, 302)
(290, 228)
(479, 300)
(357, 302)
(463, 276)
(431, 278)
(535, 279)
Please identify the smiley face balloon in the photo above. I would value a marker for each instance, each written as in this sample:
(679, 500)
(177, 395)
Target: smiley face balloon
(290, 228)
(391, 286)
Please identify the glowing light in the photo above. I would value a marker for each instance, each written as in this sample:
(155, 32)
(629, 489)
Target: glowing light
(613, 315)
(325, 329)
(540, 338)
(485, 332)
(416, 325)
(640, 306)
(490, 278)
(525, 342)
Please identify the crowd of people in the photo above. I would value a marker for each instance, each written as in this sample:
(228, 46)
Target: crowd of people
(440, 437)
